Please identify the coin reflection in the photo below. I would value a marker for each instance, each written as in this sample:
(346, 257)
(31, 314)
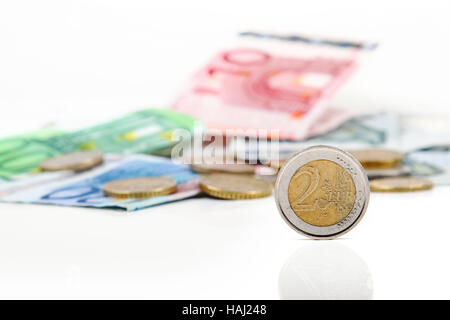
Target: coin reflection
(324, 270)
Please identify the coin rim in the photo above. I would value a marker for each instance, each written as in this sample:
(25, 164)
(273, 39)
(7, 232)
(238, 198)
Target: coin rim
(224, 194)
(148, 194)
(88, 163)
(340, 157)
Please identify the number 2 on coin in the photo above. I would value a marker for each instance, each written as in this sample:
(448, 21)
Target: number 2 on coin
(314, 177)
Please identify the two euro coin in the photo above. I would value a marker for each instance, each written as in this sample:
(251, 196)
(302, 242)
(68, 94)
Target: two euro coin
(322, 192)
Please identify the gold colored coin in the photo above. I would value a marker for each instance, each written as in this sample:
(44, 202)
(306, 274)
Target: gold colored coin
(322, 193)
(400, 184)
(378, 158)
(238, 168)
(232, 186)
(77, 161)
(144, 187)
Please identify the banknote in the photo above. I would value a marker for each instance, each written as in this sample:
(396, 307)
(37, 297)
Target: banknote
(432, 162)
(367, 131)
(138, 132)
(22, 153)
(419, 131)
(271, 82)
(85, 189)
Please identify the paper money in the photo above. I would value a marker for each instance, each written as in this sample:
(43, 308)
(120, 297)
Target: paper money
(85, 189)
(21, 154)
(271, 82)
(432, 162)
(138, 132)
(420, 131)
(380, 130)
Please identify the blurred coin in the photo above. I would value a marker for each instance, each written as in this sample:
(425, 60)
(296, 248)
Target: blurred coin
(378, 158)
(400, 184)
(277, 164)
(397, 171)
(266, 173)
(240, 168)
(144, 187)
(322, 192)
(79, 160)
(232, 186)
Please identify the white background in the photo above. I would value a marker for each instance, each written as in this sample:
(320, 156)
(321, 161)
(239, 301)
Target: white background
(75, 63)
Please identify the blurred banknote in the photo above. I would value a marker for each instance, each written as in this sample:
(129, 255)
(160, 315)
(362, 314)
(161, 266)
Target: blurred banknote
(143, 131)
(379, 130)
(272, 82)
(432, 162)
(85, 189)
(21, 154)
(426, 140)
(420, 131)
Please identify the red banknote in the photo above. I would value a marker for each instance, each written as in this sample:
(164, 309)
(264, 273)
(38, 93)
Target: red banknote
(272, 82)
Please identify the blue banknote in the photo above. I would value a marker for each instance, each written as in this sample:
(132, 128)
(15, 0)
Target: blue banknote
(85, 189)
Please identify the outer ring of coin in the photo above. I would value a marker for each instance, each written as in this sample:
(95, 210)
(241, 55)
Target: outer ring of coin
(344, 159)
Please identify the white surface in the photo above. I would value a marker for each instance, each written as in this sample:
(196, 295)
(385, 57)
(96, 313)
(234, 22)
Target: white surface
(79, 62)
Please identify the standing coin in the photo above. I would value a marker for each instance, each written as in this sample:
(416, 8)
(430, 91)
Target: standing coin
(232, 186)
(322, 192)
(378, 158)
(77, 161)
(144, 187)
(240, 168)
(400, 184)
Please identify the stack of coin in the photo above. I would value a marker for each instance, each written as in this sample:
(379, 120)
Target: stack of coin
(388, 173)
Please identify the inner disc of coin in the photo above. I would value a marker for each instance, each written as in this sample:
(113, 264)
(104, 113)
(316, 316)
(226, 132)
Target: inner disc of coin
(322, 193)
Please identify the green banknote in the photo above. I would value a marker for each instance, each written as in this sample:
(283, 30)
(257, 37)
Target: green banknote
(144, 131)
(21, 154)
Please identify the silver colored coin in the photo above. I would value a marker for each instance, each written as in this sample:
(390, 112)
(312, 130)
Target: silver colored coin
(329, 194)
(399, 171)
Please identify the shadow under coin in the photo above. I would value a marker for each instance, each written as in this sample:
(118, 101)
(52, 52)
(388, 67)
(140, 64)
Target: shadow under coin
(325, 270)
